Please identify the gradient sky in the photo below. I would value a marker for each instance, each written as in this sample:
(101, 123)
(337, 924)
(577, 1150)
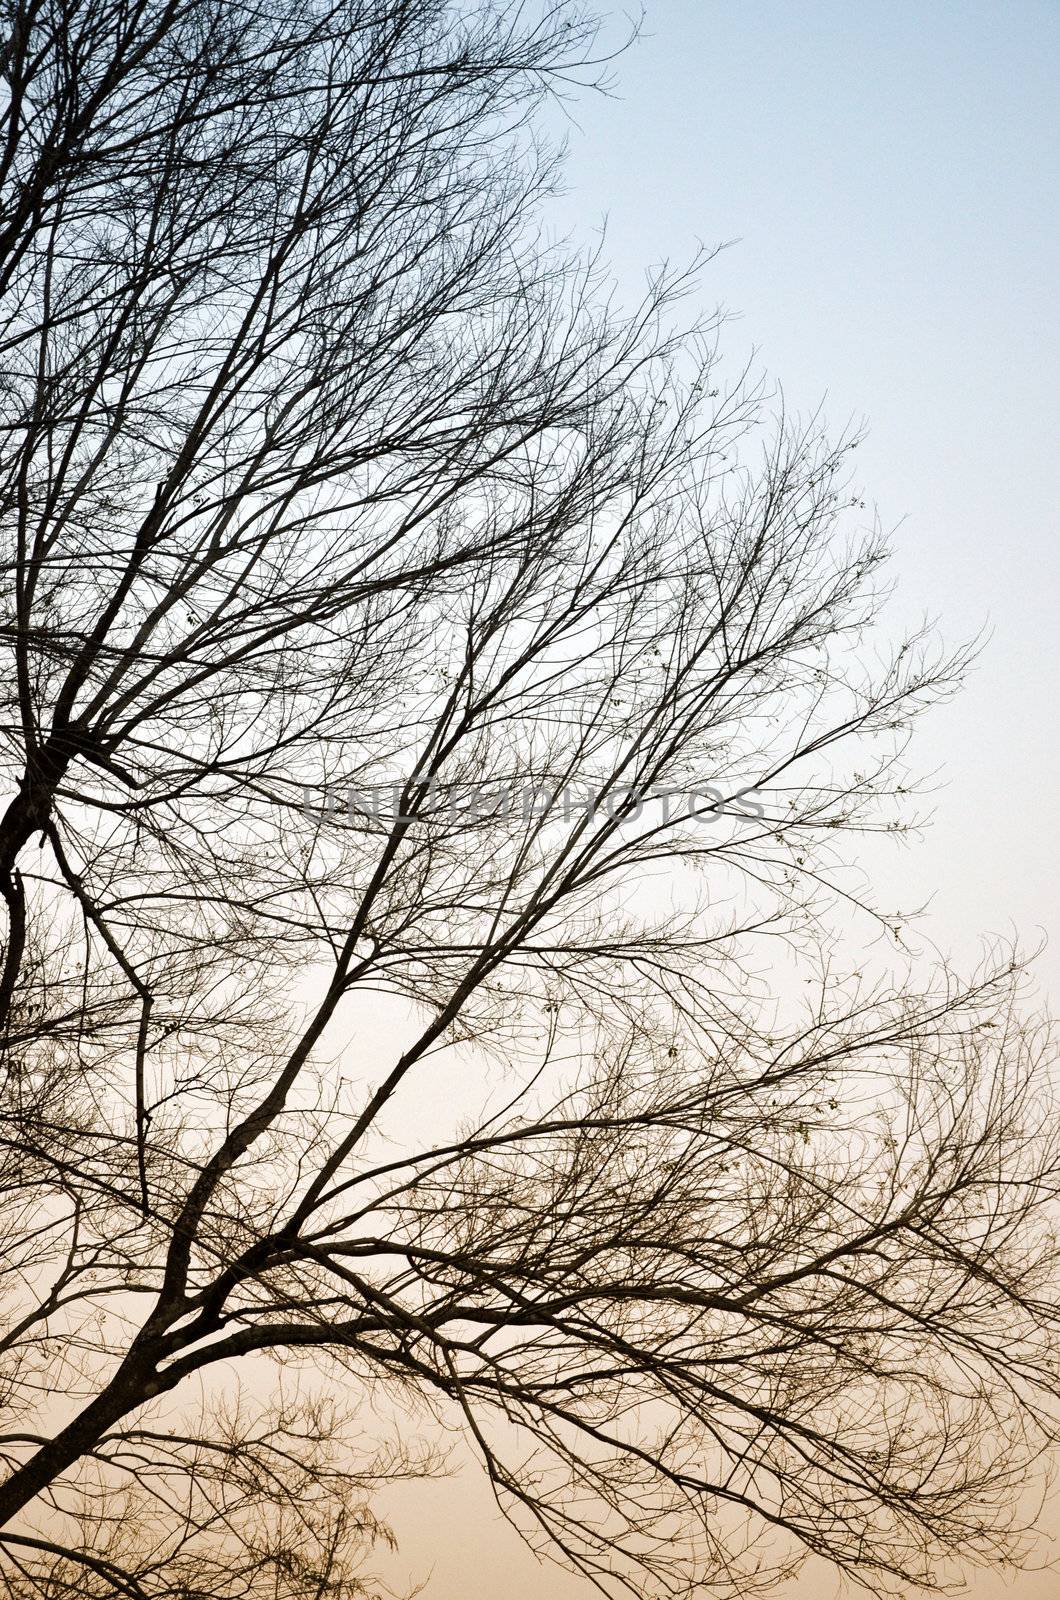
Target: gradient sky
(889, 171)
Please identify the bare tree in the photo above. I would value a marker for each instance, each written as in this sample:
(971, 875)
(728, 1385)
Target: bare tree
(388, 615)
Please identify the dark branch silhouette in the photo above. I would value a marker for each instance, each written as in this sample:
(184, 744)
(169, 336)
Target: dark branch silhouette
(538, 1100)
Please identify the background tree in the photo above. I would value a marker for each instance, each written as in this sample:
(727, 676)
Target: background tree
(324, 478)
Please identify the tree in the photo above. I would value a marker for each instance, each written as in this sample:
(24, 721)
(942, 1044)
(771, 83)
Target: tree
(388, 614)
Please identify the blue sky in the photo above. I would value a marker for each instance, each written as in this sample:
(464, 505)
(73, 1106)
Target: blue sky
(888, 173)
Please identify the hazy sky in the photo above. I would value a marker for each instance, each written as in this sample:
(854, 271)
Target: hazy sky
(890, 171)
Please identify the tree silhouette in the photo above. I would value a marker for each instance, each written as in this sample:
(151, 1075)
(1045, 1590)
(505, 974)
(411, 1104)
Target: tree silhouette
(387, 614)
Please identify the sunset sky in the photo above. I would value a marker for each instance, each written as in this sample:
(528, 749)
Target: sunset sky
(887, 172)
(512, 834)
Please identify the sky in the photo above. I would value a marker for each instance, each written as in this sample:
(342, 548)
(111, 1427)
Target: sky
(887, 173)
